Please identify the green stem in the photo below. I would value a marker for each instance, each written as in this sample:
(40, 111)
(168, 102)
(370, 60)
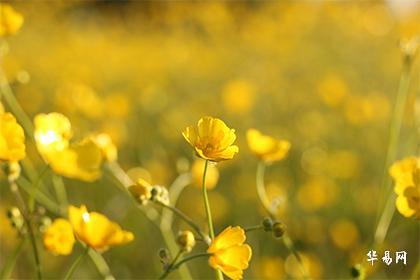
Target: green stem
(219, 274)
(31, 202)
(262, 195)
(76, 263)
(169, 268)
(11, 260)
(101, 265)
(416, 272)
(186, 259)
(206, 202)
(252, 228)
(60, 190)
(391, 155)
(27, 219)
(183, 216)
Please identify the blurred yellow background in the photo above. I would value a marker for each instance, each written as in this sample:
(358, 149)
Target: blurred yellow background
(323, 75)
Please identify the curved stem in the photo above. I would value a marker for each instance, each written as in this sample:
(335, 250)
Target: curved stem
(27, 219)
(262, 195)
(187, 259)
(183, 216)
(76, 263)
(169, 268)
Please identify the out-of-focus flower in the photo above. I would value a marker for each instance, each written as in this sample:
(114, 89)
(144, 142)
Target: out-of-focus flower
(229, 253)
(332, 89)
(311, 264)
(238, 96)
(317, 193)
(59, 238)
(266, 147)
(108, 148)
(10, 20)
(212, 175)
(12, 139)
(406, 174)
(141, 191)
(212, 139)
(96, 230)
(80, 160)
(13, 171)
(52, 133)
(344, 234)
(270, 268)
(186, 240)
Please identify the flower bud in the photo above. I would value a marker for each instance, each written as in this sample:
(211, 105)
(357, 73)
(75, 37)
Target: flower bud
(160, 194)
(186, 240)
(142, 191)
(357, 271)
(16, 218)
(267, 224)
(278, 229)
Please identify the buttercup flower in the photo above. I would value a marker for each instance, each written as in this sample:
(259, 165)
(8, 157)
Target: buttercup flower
(212, 139)
(141, 190)
(80, 160)
(108, 148)
(96, 230)
(212, 176)
(59, 238)
(230, 254)
(266, 147)
(406, 174)
(10, 20)
(12, 139)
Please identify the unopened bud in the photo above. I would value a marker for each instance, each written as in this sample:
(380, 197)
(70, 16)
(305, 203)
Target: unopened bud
(267, 224)
(186, 240)
(278, 229)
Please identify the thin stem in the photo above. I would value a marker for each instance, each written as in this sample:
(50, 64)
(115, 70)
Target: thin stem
(76, 263)
(183, 216)
(206, 202)
(169, 268)
(252, 228)
(262, 195)
(100, 264)
(31, 203)
(416, 272)
(27, 219)
(219, 274)
(290, 246)
(187, 259)
(394, 136)
(60, 190)
(11, 260)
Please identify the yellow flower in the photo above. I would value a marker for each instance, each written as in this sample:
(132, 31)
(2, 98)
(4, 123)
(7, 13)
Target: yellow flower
(266, 147)
(212, 176)
(141, 190)
(59, 238)
(12, 139)
(108, 148)
(230, 254)
(10, 20)
(212, 139)
(96, 230)
(406, 174)
(52, 133)
(79, 161)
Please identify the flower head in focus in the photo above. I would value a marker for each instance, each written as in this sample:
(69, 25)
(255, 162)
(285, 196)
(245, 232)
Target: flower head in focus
(12, 139)
(229, 253)
(80, 160)
(266, 147)
(212, 139)
(10, 20)
(96, 230)
(59, 238)
(406, 175)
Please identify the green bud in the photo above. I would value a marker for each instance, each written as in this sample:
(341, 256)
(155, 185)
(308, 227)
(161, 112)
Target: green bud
(278, 229)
